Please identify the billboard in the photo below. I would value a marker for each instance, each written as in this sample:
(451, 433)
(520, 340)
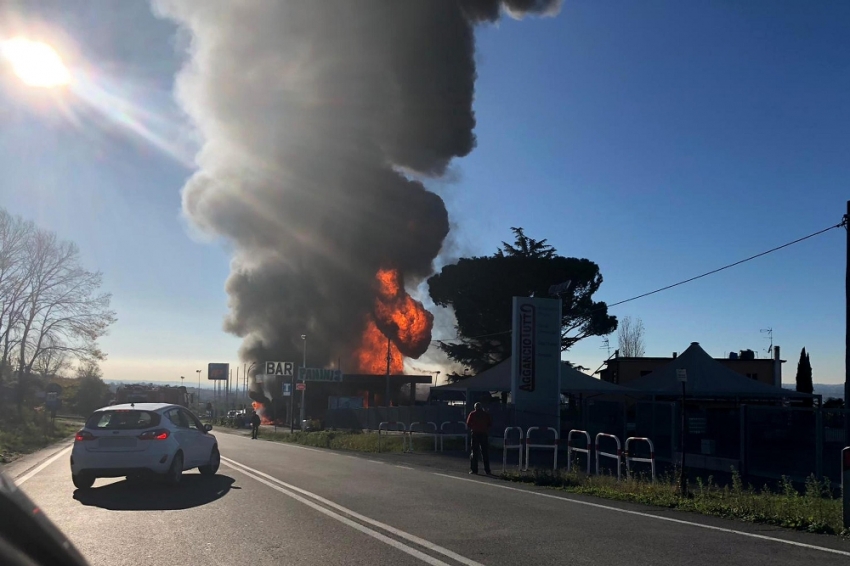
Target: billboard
(536, 360)
(218, 372)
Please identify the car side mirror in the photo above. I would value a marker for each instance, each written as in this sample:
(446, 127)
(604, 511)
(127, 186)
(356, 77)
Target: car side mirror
(207, 427)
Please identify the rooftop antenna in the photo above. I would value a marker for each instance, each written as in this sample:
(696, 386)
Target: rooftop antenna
(769, 332)
(606, 345)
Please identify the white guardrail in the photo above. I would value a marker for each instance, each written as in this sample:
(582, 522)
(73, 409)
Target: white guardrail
(529, 445)
(571, 448)
(611, 455)
(650, 460)
(517, 447)
(434, 434)
(396, 425)
(464, 434)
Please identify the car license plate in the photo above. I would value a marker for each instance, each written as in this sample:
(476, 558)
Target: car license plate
(118, 442)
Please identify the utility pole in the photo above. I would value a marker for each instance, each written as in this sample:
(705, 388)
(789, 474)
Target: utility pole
(389, 360)
(847, 330)
(303, 391)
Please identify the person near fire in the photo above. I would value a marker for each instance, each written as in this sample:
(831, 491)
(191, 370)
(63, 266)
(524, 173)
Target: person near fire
(255, 425)
(479, 422)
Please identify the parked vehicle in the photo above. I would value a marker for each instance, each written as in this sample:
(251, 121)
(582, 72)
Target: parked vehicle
(142, 439)
(142, 393)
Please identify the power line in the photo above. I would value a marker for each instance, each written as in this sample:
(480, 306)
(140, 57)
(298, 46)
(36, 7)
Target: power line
(842, 224)
(718, 270)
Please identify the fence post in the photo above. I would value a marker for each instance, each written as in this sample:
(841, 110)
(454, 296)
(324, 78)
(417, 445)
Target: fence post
(818, 443)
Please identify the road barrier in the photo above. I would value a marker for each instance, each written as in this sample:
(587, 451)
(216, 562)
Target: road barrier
(464, 434)
(612, 455)
(423, 433)
(571, 448)
(650, 460)
(386, 427)
(529, 445)
(845, 484)
(506, 447)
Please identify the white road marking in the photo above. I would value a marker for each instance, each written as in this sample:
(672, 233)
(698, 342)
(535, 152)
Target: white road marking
(375, 461)
(404, 467)
(651, 516)
(43, 465)
(280, 485)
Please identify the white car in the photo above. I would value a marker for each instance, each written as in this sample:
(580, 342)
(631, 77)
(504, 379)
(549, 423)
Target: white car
(138, 439)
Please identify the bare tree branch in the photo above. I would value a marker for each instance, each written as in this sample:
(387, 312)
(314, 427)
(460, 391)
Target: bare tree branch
(630, 337)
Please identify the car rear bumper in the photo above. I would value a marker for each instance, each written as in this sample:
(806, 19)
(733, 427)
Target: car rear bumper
(120, 464)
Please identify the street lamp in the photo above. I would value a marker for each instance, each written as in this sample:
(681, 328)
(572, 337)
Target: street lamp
(304, 365)
(199, 389)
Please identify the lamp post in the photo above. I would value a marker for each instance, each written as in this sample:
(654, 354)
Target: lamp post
(304, 365)
(199, 389)
(245, 383)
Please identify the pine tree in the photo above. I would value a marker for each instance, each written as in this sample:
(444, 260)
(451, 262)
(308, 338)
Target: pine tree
(804, 374)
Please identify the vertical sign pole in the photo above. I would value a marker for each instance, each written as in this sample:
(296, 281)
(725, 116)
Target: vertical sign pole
(845, 485)
(682, 375)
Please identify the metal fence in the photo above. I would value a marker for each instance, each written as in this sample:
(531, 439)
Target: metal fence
(762, 442)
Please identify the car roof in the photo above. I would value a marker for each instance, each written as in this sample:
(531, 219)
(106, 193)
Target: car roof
(138, 407)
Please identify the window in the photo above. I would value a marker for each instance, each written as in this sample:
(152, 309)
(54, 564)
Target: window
(177, 417)
(122, 420)
(192, 421)
(645, 372)
(753, 376)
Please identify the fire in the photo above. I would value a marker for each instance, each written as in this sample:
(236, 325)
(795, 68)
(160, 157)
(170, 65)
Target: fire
(371, 356)
(402, 318)
(398, 317)
(261, 410)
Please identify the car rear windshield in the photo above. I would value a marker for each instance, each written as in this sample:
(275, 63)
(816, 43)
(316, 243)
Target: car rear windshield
(122, 420)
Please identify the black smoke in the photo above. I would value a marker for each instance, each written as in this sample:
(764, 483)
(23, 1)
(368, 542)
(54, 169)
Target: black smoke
(315, 118)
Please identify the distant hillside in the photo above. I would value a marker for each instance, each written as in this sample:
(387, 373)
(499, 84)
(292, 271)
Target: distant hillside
(830, 390)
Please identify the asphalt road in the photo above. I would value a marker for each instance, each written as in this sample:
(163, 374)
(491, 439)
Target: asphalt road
(281, 504)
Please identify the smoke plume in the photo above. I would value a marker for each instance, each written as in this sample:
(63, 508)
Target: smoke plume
(315, 116)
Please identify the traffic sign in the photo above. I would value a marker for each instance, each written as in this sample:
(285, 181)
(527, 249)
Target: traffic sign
(318, 374)
(682, 375)
(300, 386)
(287, 389)
(286, 369)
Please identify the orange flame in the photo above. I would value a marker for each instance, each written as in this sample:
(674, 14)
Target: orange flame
(261, 410)
(407, 321)
(397, 316)
(371, 356)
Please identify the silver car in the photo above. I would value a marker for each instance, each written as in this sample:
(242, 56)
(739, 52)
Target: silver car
(139, 439)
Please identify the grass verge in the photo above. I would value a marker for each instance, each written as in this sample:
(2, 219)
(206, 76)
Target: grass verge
(351, 440)
(19, 436)
(814, 510)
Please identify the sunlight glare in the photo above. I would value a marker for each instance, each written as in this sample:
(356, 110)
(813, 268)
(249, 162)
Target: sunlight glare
(35, 63)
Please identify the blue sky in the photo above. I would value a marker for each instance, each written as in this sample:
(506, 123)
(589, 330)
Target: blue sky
(658, 139)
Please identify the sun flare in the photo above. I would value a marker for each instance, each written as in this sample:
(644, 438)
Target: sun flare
(35, 63)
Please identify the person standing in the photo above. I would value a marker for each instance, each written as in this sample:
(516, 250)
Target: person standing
(479, 422)
(255, 425)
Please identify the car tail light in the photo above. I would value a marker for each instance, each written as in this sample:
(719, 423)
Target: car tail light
(83, 435)
(159, 434)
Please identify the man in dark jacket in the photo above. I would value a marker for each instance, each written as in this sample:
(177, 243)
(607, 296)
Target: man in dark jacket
(479, 422)
(255, 425)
